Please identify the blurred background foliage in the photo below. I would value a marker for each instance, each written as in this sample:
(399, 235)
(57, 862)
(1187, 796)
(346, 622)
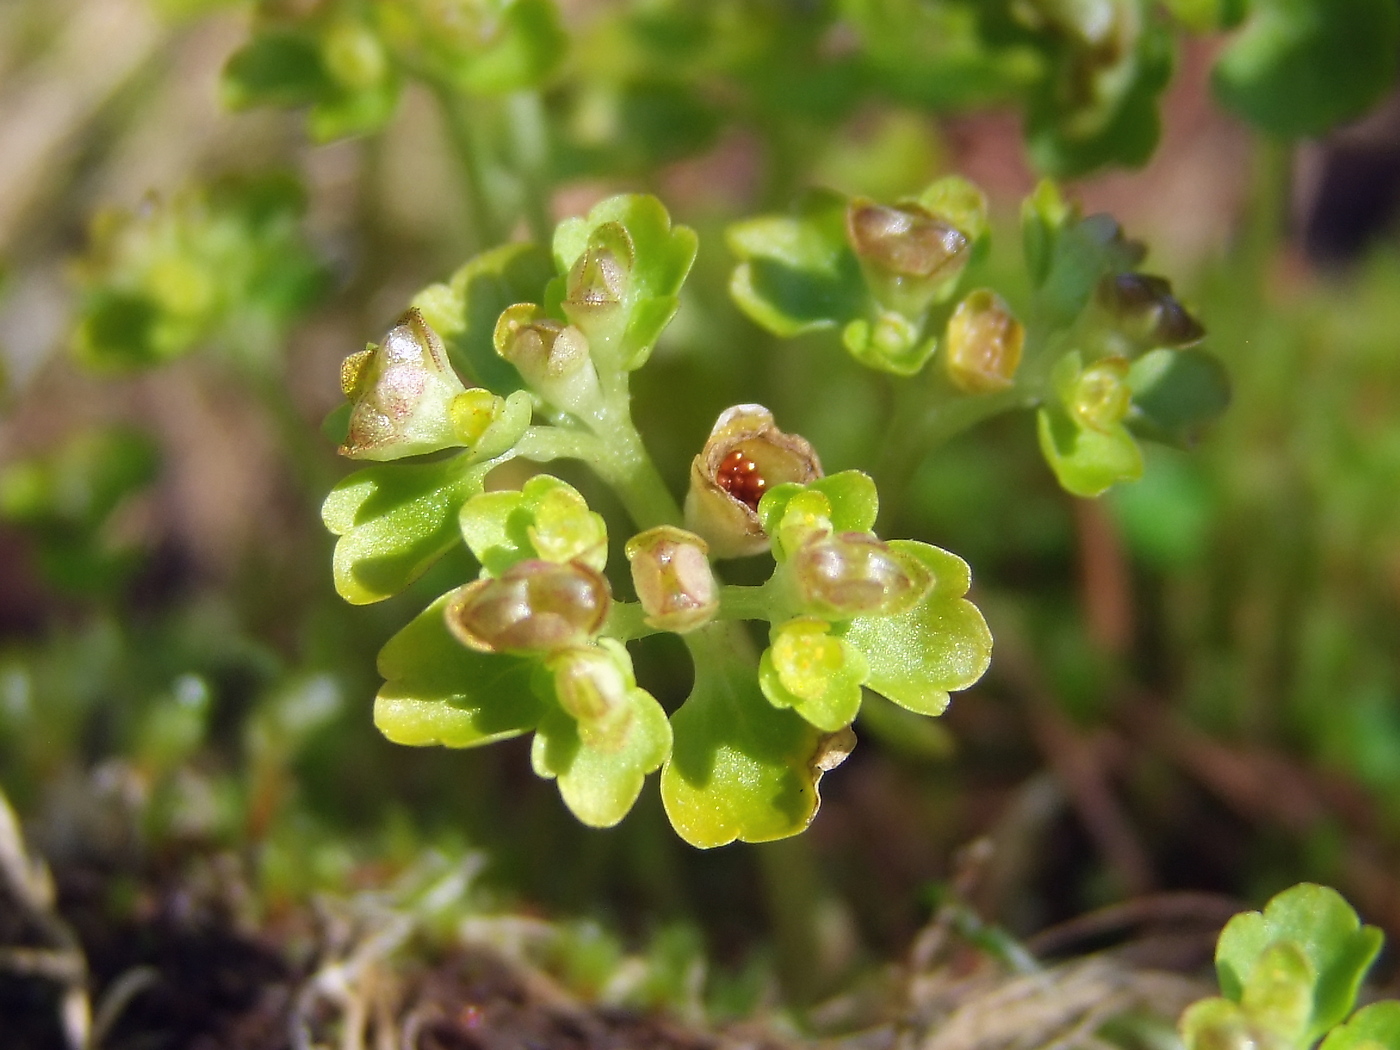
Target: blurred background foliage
(1196, 683)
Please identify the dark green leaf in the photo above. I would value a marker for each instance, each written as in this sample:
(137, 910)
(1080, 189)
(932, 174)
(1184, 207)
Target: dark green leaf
(1300, 67)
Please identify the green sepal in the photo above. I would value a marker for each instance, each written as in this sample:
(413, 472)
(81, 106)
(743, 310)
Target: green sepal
(1300, 67)
(600, 786)
(820, 680)
(546, 518)
(1044, 213)
(1086, 462)
(464, 310)
(1080, 254)
(437, 691)
(662, 255)
(1176, 395)
(851, 505)
(797, 273)
(394, 521)
(1319, 922)
(1374, 1027)
(938, 647)
(740, 768)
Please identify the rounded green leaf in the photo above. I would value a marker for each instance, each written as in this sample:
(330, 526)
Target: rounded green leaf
(661, 257)
(1299, 67)
(437, 691)
(599, 786)
(1321, 923)
(394, 521)
(739, 767)
(940, 646)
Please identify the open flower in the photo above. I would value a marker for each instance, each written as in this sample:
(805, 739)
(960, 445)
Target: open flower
(746, 454)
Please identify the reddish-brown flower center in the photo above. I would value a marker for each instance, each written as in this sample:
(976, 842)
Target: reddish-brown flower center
(738, 475)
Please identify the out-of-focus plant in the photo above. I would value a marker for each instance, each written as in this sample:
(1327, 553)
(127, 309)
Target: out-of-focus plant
(1290, 976)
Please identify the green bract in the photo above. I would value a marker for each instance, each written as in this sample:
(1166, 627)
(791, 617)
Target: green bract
(1290, 975)
(872, 270)
(740, 767)
(395, 521)
(546, 519)
(621, 270)
(1338, 951)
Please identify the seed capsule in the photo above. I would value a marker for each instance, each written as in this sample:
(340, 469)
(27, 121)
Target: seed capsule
(672, 577)
(744, 456)
(534, 606)
(854, 574)
(983, 344)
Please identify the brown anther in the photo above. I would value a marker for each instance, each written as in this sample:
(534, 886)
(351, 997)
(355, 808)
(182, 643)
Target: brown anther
(738, 475)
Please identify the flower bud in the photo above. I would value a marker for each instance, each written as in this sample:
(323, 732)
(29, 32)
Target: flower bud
(671, 573)
(983, 344)
(594, 690)
(534, 606)
(854, 574)
(1146, 310)
(598, 279)
(551, 357)
(1100, 397)
(744, 456)
(907, 253)
(403, 396)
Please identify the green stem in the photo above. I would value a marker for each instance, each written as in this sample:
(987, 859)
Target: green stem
(465, 140)
(529, 139)
(746, 603)
(627, 620)
(543, 444)
(624, 463)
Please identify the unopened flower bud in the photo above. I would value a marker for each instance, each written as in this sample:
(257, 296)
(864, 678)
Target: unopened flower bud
(598, 280)
(1100, 397)
(1145, 308)
(983, 344)
(906, 252)
(855, 574)
(744, 456)
(594, 690)
(551, 357)
(403, 396)
(534, 606)
(672, 577)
